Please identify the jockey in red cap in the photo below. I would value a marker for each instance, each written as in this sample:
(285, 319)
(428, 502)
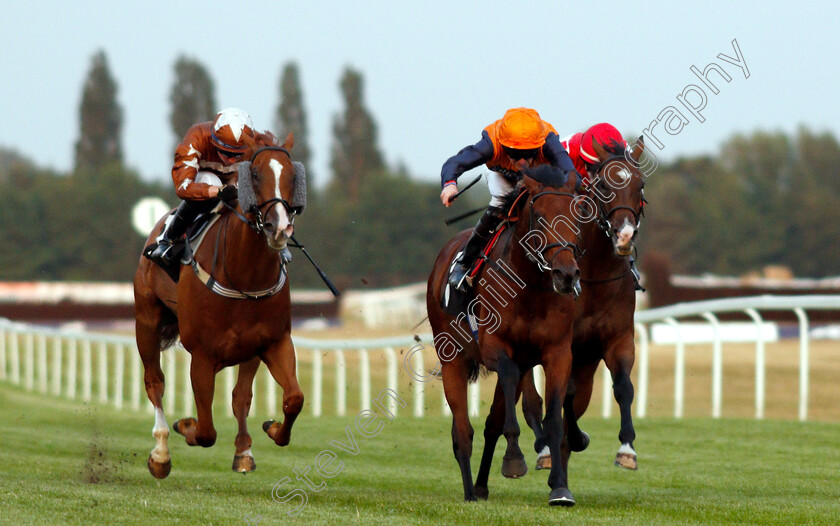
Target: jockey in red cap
(519, 140)
(582, 151)
(204, 161)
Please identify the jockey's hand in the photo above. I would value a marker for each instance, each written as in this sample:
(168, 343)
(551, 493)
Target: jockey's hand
(228, 193)
(213, 191)
(447, 193)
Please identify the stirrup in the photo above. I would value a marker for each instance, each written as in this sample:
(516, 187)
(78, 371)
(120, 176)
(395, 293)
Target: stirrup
(458, 284)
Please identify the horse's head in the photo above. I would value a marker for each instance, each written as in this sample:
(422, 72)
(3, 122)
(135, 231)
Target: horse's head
(272, 189)
(617, 187)
(548, 197)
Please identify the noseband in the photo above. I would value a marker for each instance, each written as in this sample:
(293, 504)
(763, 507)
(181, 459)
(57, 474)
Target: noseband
(603, 214)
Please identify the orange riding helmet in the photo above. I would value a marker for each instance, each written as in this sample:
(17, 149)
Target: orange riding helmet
(522, 129)
(229, 128)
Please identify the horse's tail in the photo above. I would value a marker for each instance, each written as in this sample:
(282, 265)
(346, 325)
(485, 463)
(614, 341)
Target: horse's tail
(169, 333)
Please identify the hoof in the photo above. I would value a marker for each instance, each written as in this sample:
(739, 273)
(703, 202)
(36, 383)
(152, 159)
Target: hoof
(579, 445)
(561, 497)
(514, 468)
(481, 493)
(243, 464)
(626, 460)
(159, 470)
(543, 462)
(274, 430)
(181, 426)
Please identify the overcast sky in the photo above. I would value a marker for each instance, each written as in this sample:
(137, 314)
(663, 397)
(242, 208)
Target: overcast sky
(435, 72)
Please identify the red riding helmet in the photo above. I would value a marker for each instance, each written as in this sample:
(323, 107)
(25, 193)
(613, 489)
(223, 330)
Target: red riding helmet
(229, 128)
(603, 134)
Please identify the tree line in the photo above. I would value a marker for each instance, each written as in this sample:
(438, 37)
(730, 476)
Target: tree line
(765, 198)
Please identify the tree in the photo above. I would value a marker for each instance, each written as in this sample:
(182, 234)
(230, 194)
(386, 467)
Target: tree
(100, 119)
(355, 154)
(291, 116)
(192, 96)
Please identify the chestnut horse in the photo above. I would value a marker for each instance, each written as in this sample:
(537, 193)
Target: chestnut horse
(532, 326)
(221, 323)
(603, 325)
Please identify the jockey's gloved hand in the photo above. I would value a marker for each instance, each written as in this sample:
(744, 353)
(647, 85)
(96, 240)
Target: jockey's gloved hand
(228, 193)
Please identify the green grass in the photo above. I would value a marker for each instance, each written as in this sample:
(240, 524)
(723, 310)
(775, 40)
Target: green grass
(69, 463)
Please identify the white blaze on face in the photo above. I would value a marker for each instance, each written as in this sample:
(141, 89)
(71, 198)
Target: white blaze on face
(283, 221)
(625, 235)
(623, 175)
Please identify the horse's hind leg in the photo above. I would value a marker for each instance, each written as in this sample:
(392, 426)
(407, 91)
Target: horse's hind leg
(200, 432)
(493, 428)
(619, 358)
(243, 460)
(148, 336)
(532, 411)
(280, 360)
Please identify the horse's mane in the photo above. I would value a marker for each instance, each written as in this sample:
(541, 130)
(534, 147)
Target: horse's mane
(614, 148)
(265, 138)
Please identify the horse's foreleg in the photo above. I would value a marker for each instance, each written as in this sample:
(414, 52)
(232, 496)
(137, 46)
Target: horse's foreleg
(243, 460)
(532, 407)
(557, 365)
(200, 431)
(513, 464)
(619, 358)
(493, 428)
(455, 379)
(280, 360)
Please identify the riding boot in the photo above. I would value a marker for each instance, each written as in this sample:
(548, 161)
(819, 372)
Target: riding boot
(176, 226)
(482, 233)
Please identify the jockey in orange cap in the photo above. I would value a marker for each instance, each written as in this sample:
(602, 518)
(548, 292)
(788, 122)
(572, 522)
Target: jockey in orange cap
(519, 140)
(204, 162)
(581, 149)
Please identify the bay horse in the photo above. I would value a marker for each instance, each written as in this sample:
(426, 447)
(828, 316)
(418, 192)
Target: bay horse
(509, 336)
(237, 313)
(603, 314)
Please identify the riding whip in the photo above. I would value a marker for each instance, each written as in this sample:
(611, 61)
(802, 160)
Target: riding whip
(324, 277)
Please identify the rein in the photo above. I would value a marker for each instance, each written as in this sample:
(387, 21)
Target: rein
(561, 245)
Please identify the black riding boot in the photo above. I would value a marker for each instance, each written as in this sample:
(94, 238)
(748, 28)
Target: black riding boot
(176, 226)
(482, 233)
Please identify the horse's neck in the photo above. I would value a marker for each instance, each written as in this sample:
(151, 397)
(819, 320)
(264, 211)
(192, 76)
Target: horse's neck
(516, 257)
(600, 260)
(244, 255)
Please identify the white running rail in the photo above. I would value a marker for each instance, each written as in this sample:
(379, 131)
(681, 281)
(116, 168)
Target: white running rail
(107, 369)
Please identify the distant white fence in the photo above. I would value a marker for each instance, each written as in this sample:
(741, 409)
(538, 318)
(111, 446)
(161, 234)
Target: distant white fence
(107, 369)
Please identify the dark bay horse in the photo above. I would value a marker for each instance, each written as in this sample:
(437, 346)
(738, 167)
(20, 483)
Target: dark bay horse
(603, 325)
(231, 307)
(522, 313)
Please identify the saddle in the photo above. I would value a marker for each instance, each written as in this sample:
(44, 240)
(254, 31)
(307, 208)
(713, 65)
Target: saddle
(454, 301)
(182, 251)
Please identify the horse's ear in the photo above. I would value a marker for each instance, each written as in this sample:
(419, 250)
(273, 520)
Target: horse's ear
(290, 141)
(638, 149)
(599, 150)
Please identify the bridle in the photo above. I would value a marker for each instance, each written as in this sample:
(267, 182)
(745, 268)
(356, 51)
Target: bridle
(258, 223)
(604, 215)
(560, 245)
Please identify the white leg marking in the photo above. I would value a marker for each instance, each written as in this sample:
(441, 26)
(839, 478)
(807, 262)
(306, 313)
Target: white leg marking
(545, 452)
(626, 448)
(161, 433)
(247, 453)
